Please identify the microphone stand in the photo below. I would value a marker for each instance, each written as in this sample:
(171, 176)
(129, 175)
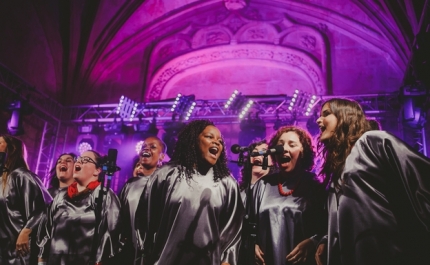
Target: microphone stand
(250, 222)
(108, 168)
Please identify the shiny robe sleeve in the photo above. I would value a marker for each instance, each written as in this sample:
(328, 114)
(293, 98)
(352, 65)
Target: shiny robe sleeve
(191, 220)
(60, 245)
(22, 205)
(384, 206)
(285, 221)
(33, 196)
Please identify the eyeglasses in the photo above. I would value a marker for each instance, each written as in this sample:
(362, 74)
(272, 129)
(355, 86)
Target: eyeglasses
(85, 160)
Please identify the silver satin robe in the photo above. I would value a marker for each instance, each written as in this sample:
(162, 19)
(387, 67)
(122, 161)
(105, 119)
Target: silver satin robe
(22, 205)
(381, 214)
(285, 221)
(191, 221)
(70, 229)
(129, 197)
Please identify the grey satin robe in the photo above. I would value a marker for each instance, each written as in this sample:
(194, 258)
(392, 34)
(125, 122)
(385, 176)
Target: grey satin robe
(129, 197)
(22, 205)
(382, 210)
(285, 221)
(70, 229)
(191, 221)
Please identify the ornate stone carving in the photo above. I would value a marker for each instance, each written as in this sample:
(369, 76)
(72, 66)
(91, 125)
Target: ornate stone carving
(308, 41)
(291, 58)
(234, 4)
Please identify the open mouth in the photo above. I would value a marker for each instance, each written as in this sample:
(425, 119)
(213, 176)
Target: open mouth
(213, 150)
(77, 168)
(146, 154)
(322, 128)
(285, 159)
(258, 162)
(63, 168)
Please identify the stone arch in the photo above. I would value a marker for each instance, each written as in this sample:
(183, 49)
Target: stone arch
(271, 56)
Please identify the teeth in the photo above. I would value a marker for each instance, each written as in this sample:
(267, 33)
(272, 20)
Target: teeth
(146, 154)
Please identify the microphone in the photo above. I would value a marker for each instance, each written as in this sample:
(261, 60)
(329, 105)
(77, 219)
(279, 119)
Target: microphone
(279, 149)
(3, 156)
(236, 149)
(110, 165)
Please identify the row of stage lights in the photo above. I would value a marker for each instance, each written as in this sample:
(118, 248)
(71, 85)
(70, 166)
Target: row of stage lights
(182, 109)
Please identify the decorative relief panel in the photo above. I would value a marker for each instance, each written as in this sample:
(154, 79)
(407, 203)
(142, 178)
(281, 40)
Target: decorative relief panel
(210, 37)
(293, 59)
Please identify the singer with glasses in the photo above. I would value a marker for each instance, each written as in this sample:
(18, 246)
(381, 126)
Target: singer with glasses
(150, 158)
(194, 209)
(289, 204)
(23, 200)
(71, 223)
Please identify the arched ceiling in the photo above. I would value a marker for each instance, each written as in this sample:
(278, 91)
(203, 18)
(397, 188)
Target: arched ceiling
(92, 52)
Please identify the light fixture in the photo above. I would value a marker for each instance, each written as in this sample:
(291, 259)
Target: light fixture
(413, 97)
(302, 102)
(183, 107)
(86, 139)
(17, 109)
(251, 129)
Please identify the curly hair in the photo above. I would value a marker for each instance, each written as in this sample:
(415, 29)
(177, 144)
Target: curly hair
(54, 182)
(351, 125)
(15, 151)
(305, 139)
(187, 152)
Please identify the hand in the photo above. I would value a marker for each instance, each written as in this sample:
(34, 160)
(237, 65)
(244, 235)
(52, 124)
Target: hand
(321, 254)
(301, 252)
(23, 242)
(259, 255)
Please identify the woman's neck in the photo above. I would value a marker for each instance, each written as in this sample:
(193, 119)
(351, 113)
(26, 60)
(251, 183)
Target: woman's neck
(66, 184)
(83, 185)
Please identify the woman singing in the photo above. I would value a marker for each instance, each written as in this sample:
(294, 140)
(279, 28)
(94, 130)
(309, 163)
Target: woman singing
(23, 200)
(62, 173)
(289, 204)
(379, 192)
(193, 203)
(71, 224)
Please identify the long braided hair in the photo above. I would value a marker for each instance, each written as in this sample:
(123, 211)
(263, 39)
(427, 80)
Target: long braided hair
(187, 152)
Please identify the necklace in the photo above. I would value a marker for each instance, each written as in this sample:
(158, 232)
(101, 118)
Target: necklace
(281, 189)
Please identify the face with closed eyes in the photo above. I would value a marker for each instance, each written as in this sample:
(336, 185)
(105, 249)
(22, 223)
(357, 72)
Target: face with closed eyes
(293, 148)
(64, 168)
(210, 144)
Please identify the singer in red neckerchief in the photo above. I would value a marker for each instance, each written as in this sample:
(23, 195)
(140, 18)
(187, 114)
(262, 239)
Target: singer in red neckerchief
(72, 222)
(289, 204)
(23, 200)
(150, 158)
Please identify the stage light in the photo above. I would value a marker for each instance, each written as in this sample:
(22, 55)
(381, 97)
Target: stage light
(86, 142)
(183, 106)
(302, 103)
(139, 146)
(232, 99)
(84, 146)
(245, 109)
(127, 108)
(17, 109)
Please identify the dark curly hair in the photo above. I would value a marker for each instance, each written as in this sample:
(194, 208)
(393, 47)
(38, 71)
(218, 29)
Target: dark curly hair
(305, 139)
(53, 179)
(187, 153)
(351, 125)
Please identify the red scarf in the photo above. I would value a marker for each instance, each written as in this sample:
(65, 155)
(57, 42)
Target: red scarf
(72, 190)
